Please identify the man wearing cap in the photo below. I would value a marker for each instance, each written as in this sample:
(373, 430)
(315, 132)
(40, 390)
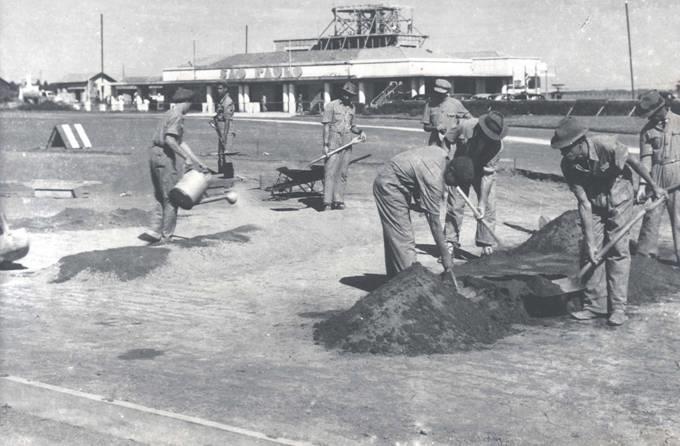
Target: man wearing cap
(338, 127)
(599, 172)
(223, 119)
(442, 112)
(167, 143)
(659, 153)
(423, 172)
(480, 140)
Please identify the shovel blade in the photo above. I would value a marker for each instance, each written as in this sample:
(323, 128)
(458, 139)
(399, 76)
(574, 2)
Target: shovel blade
(568, 285)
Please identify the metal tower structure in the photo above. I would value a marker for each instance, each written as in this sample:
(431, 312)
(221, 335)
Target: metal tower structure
(362, 26)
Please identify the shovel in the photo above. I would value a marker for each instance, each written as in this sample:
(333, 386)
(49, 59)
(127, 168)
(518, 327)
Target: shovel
(478, 216)
(573, 284)
(333, 152)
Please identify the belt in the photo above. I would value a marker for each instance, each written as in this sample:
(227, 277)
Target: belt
(666, 162)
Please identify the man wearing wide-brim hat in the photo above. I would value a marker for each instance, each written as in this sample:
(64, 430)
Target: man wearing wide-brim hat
(165, 169)
(599, 171)
(338, 127)
(481, 139)
(442, 112)
(660, 154)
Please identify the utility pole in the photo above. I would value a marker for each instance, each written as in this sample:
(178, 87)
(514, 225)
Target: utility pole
(193, 59)
(630, 55)
(246, 39)
(101, 41)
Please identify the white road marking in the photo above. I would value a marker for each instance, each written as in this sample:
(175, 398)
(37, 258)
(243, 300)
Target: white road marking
(163, 413)
(507, 139)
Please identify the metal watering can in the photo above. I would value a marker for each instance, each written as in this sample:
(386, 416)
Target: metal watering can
(189, 191)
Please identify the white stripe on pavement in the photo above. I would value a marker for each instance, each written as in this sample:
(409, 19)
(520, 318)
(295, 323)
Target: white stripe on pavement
(508, 139)
(163, 413)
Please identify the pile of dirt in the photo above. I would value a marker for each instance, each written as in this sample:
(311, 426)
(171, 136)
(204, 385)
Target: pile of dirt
(418, 312)
(80, 218)
(563, 234)
(127, 263)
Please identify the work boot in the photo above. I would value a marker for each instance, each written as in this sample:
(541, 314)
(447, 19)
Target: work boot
(618, 317)
(339, 206)
(150, 236)
(585, 315)
(325, 207)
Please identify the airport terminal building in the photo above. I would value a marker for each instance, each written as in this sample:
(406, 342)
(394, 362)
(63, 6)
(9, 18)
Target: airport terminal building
(376, 46)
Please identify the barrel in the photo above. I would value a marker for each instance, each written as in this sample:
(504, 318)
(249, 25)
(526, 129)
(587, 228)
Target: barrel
(189, 190)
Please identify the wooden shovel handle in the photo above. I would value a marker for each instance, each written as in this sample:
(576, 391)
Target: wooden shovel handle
(333, 152)
(478, 216)
(623, 231)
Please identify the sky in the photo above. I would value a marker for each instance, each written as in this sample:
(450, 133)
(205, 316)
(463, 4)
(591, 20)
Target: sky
(583, 42)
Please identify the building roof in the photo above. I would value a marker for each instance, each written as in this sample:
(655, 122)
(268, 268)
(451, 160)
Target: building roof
(311, 57)
(73, 78)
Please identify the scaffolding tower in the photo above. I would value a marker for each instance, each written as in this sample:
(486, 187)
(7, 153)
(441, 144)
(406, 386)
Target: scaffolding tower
(362, 26)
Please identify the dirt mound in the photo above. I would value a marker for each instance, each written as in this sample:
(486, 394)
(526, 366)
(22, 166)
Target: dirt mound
(125, 263)
(80, 218)
(418, 312)
(563, 234)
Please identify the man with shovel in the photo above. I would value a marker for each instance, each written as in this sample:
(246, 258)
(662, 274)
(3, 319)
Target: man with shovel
(423, 172)
(599, 172)
(659, 153)
(480, 139)
(338, 126)
(163, 163)
(442, 112)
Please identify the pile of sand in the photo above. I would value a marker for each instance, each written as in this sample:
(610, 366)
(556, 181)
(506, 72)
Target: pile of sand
(563, 234)
(418, 312)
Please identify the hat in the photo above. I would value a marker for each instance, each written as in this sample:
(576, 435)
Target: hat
(462, 169)
(493, 125)
(222, 82)
(649, 103)
(350, 88)
(568, 131)
(182, 95)
(442, 86)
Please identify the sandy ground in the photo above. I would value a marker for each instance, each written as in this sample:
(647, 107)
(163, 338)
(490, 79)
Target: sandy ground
(233, 325)
(224, 333)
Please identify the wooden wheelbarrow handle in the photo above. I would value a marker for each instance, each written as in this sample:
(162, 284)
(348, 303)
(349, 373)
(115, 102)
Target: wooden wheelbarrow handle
(478, 216)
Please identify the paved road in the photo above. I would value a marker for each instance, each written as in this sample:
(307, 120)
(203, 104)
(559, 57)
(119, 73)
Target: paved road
(525, 148)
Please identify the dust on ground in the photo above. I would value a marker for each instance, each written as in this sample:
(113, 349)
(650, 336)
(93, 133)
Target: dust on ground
(83, 218)
(132, 262)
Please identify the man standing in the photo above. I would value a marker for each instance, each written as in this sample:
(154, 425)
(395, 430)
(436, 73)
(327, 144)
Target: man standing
(480, 140)
(224, 124)
(599, 172)
(167, 143)
(442, 112)
(338, 127)
(418, 172)
(659, 153)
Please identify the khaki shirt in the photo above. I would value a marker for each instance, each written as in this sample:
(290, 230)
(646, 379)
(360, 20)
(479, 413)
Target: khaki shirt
(660, 142)
(448, 113)
(225, 109)
(340, 117)
(604, 175)
(421, 171)
(171, 124)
